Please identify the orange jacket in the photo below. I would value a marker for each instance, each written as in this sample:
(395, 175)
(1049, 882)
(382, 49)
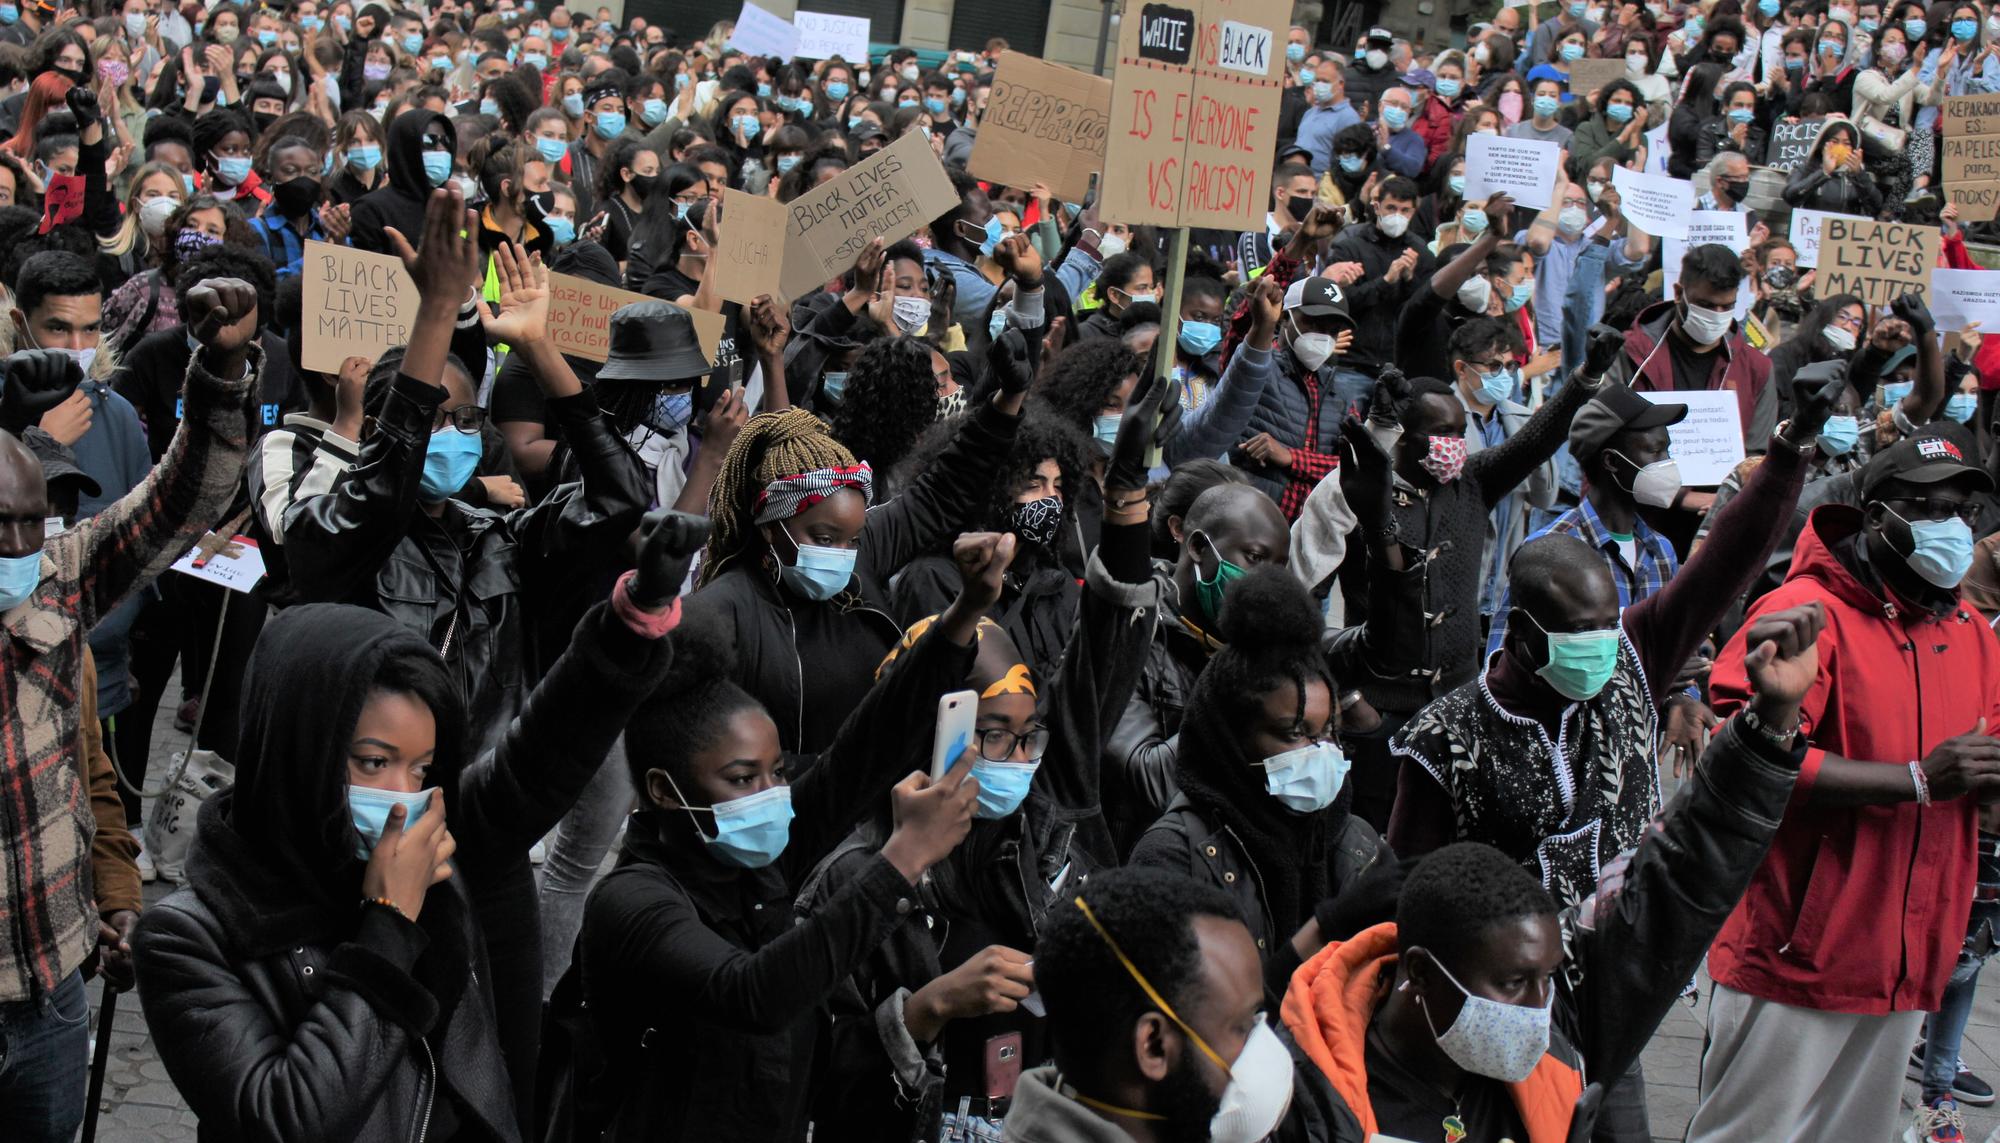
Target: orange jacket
(1334, 995)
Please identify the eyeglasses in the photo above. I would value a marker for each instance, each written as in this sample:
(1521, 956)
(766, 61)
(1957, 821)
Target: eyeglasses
(1848, 321)
(1933, 508)
(465, 418)
(998, 745)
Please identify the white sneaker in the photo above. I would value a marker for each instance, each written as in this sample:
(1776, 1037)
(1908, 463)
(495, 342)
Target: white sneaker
(538, 853)
(147, 873)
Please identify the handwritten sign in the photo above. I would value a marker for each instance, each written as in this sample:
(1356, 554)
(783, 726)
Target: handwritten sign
(1971, 158)
(1976, 201)
(1044, 123)
(236, 564)
(749, 257)
(1961, 297)
(1524, 168)
(1194, 110)
(889, 195)
(1586, 76)
(762, 33)
(1790, 145)
(1658, 150)
(357, 304)
(1970, 115)
(1655, 204)
(823, 36)
(580, 317)
(1805, 234)
(62, 201)
(1709, 443)
(1877, 261)
(1708, 227)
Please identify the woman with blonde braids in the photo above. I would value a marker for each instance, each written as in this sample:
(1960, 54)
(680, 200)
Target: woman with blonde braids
(799, 563)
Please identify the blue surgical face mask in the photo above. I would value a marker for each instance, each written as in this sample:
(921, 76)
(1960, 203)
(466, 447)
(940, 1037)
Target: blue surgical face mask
(681, 81)
(1546, 106)
(1943, 549)
(368, 808)
(440, 63)
(1572, 52)
(1200, 337)
(1353, 164)
(1618, 112)
(820, 573)
(232, 171)
(610, 124)
(535, 60)
(1322, 90)
(1960, 407)
(9, 13)
(751, 832)
(1839, 435)
(1915, 29)
(1105, 430)
(1449, 88)
(833, 385)
(1473, 221)
(1742, 114)
(559, 35)
(1396, 117)
(1496, 386)
(748, 126)
(1523, 291)
(1003, 786)
(1964, 30)
(364, 158)
(572, 105)
(267, 37)
(836, 90)
(1457, 185)
(786, 163)
(413, 43)
(561, 230)
(653, 112)
(437, 167)
(552, 150)
(1295, 52)
(854, 122)
(1768, 8)
(936, 106)
(448, 464)
(1306, 780)
(1893, 392)
(18, 577)
(763, 91)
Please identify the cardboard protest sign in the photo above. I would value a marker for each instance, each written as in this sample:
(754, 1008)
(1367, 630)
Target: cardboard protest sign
(1043, 123)
(889, 195)
(762, 33)
(1970, 115)
(1805, 232)
(1971, 158)
(357, 304)
(749, 255)
(1962, 297)
(1709, 443)
(1524, 168)
(1655, 204)
(1976, 202)
(1586, 76)
(1790, 144)
(1194, 113)
(823, 36)
(1720, 227)
(580, 317)
(1877, 261)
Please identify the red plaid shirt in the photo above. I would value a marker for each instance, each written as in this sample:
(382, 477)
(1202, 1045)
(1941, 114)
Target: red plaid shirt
(1308, 468)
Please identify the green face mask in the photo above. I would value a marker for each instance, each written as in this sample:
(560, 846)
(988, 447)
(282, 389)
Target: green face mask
(1580, 662)
(1208, 592)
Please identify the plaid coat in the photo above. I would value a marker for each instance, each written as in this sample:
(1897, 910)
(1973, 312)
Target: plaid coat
(48, 914)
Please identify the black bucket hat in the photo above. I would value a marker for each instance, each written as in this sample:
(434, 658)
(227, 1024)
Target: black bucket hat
(653, 341)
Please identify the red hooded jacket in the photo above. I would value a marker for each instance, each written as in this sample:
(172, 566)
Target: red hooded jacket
(1862, 909)
(1742, 368)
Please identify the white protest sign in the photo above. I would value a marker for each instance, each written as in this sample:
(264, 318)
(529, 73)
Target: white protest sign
(237, 565)
(1961, 297)
(1709, 443)
(1524, 168)
(1657, 150)
(761, 33)
(1805, 235)
(1655, 204)
(1729, 228)
(823, 36)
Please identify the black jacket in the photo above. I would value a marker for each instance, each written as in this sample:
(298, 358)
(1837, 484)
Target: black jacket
(1140, 751)
(1715, 138)
(702, 998)
(1038, 609)
(876, 1083)
(1845, 193)
(286, 1012)
(810, 663)
(399, 202)
(469, 579)
(1374, 302)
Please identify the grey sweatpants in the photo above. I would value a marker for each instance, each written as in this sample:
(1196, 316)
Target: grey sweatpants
(1772, 1072)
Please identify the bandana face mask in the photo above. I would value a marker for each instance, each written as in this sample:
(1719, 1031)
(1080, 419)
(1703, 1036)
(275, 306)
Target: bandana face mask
(1445, 458)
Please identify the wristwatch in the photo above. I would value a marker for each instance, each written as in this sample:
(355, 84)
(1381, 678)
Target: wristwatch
(1776, 736)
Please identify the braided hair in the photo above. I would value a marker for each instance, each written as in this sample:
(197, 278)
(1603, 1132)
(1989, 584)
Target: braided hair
(770, 447)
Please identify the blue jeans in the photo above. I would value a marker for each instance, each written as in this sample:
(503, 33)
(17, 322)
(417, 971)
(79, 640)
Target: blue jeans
(1946, 1027)
(45, 1064)
(1351, 389)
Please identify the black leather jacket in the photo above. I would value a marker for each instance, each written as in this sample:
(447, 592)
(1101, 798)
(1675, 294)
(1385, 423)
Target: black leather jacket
(467, 579)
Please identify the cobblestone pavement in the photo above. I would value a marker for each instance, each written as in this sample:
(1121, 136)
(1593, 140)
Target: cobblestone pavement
(140, 1104)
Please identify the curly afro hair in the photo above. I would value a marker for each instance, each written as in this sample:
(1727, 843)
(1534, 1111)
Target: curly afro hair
(1082, 379)
(1459, 890)
(891, 398)
(690, 710)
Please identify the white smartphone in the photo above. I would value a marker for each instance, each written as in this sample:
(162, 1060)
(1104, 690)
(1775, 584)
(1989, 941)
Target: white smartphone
(957, 712)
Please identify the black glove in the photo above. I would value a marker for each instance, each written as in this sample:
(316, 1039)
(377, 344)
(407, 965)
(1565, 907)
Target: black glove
(1009, 358)
(668, 541)
(1814, 390)
(1605, 345)
(1911, 308)
(32, 382)
(1364, 478)
(1151, 420)
(83, 104)
(1392, 394)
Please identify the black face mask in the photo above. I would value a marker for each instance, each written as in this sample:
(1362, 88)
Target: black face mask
(297, 197)
(1734, 189)
(1298, 206)
(1038, 522)
(263, 119)
(643, 185)
(540, 205)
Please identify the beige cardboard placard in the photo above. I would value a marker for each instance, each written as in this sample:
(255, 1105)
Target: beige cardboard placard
(1976, 201)
(1586, 76)
(889, 196)
(1043, 123)
(580, 317)
(1970, 115)
(1876, 261)
(1971, 158)
(357, 304)
(1194, 113)
(749, 257)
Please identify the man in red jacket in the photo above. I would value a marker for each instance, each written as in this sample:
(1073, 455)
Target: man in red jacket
(1849, 931)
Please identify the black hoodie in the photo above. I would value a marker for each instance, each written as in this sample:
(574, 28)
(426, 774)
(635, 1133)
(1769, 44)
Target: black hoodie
(400, 201)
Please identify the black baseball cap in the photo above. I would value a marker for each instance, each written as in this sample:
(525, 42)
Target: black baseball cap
(653, 341)
(1937, 453)
(1617, 409)
(1317, 297)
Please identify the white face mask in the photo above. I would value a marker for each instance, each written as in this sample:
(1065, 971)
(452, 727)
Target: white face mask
(1110, 246)
(1656, 484)
(1393, 225)
(913, 312)
(1476, 293)
(1839, 337)
(1572, 219)
(1491, 1039)
(1259, 1091)
(154, 212)
(1705, 326)
(1378, 59)
(1312, 349)
(1308, 779)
